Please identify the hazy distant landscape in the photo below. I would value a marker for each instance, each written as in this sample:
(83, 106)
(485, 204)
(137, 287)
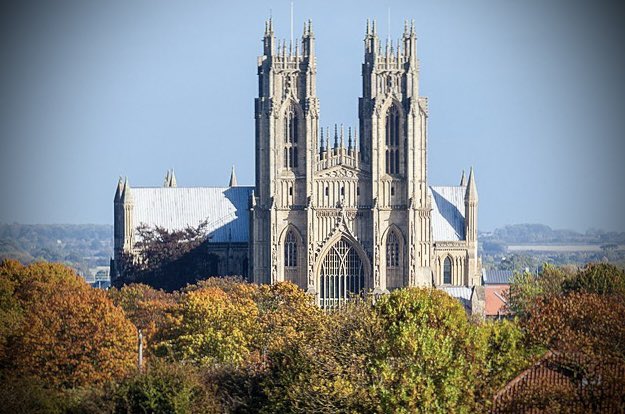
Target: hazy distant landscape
(81, 246)
(520, 246)
(86, 246)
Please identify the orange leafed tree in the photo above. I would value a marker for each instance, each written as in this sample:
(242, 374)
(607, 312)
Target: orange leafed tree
(150, 310)
(70, 334)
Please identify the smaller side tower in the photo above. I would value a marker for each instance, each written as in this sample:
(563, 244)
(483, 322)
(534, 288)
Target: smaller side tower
(123, 205)
(470, 230)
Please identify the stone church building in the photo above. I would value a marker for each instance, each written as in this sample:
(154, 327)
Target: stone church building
(338, 212)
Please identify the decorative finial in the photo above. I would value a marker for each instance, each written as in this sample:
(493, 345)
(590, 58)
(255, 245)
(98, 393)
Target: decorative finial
(349, 139)
(342, 133)
(172, 179)
(291, 24)
(327, 139)
(233, 178)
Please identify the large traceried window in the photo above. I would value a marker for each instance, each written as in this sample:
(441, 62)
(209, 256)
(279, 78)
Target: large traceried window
(291, 132)
(342, 275)
(447, 271)
(392, 250)
(392, 141)
(290, 250)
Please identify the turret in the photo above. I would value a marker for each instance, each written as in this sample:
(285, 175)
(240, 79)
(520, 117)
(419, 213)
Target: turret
(470, 203)
(308, 41)
(170, 179)
(127, 201)
(269, 39)
(372, 42)
(410, 42)
(463, 180)
(118, 220)
(126, 197)
(118, 192)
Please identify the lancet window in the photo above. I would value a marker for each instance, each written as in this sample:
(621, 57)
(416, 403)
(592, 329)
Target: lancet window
(392, 141)
(392, 250)
(447, 271)
(290, 250)
(291, 132)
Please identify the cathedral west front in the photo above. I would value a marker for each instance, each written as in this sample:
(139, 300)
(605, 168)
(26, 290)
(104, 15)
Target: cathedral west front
(338, 211)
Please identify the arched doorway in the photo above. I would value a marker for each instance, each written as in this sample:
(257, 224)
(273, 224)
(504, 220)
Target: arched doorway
(342, 274)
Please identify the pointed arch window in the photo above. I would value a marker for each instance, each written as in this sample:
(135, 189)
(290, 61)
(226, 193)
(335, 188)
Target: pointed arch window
(447, 271)
(342, 275)
(392, 250)
(290, 250)
(392, 141)
(291, 138)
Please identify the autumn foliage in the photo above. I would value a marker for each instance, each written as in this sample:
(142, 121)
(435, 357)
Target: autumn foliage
(224, 345)
(66, 333)
(579, 318)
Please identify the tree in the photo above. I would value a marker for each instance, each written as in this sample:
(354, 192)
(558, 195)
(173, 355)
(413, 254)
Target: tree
(527, 287)
(167, 259)
(330, 372)
(412, 351)
(600, 278)
(587, 333)
(286, 314)
(211, 327)
(426, 364)
(69, 334)
(506, 354)
(166, 388)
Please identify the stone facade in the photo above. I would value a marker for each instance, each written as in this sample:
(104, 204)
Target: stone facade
(354, 210)
(346, 210)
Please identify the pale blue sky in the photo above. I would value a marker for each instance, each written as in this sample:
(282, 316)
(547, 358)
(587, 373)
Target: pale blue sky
(528, 92)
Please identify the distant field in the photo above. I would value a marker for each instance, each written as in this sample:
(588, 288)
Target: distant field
(558, 248)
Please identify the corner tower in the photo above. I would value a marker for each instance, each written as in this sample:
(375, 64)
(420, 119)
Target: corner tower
(286, 115)
(393, 124)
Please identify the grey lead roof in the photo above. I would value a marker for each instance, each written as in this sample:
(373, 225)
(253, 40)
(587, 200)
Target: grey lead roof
(224, 208)
(462, 293)
(447, 212)
(227, 213)
(496, 277)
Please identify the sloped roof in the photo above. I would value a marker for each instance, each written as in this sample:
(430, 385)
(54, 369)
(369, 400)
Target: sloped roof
(496, 277)
(447, 212)
(495, 300)
(224, 208)
(462, 293)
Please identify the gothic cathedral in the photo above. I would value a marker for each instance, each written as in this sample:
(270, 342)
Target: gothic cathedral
(337, 211)
(340, 212)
